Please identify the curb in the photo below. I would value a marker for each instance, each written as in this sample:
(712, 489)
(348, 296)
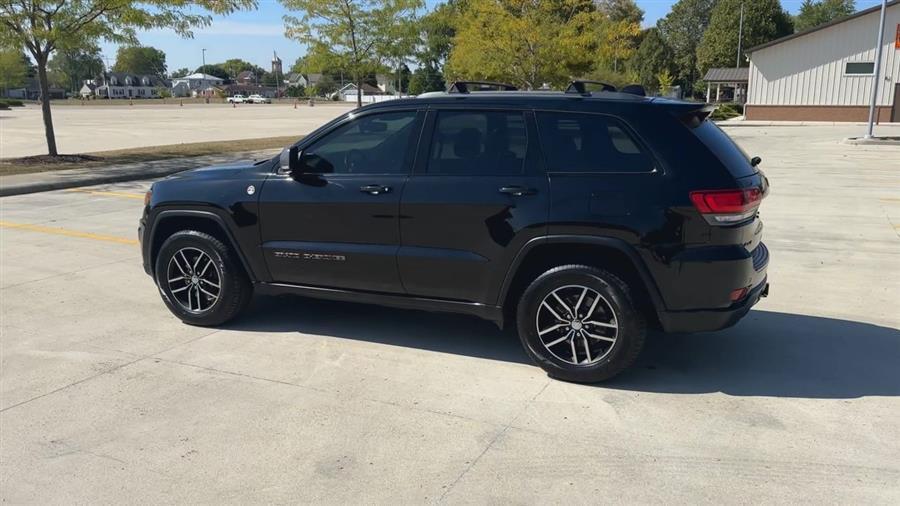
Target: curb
(26, 188)
(65, 179)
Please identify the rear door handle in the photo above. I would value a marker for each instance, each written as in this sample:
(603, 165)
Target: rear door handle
(375, 189)
(517, 191)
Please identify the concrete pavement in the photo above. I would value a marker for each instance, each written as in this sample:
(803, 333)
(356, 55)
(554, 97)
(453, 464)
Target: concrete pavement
(86, 129)
(107, 398)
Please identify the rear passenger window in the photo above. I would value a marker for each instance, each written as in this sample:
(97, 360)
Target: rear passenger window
(476, 143)
(574, 142)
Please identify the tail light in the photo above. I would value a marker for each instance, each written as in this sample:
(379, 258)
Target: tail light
(725, 207)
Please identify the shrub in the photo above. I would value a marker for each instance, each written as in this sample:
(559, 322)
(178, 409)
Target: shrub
(727, 111)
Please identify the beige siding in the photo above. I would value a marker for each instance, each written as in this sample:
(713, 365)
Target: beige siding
(809, 70)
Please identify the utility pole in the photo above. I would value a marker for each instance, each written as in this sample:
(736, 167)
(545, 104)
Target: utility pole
(204, 56)
(740, 36)
(876, 76)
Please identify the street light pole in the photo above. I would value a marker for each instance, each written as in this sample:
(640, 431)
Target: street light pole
(204, 56)
(740, 36)
(877, 74)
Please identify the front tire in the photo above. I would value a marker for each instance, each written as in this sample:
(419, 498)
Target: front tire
(580, 324)
(200, 280)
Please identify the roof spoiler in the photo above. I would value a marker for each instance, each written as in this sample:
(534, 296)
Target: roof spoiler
(469, 86)
(578, 87)
(691, 114)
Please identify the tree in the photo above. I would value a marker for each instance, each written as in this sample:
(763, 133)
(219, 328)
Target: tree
(621, 10)
(44, 26)
(13, 69)
(815, 13)
(213, 69)
(524, 42)
(349, 33)
(664, 79)
(183, 71)
(682, 30)
(764, 20)
(652, 57)
(68, 68)
(617, 41)
(140, 60)
(235, 66)
(425, 79)
(437, 29)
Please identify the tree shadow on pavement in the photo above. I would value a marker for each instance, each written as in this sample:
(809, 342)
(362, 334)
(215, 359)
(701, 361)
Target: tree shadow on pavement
(768, 354)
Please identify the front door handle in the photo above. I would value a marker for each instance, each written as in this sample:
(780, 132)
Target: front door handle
(517, 191)
(375, 189)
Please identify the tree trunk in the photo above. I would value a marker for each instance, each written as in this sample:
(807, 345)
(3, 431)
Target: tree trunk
(45, 105)
(359, 92)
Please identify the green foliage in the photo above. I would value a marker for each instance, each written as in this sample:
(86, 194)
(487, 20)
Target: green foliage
(727, 111)
(140, 60)
(213, 69)
(525, 43)
(352, 34)
(43, 27)
(617, 42)
(69, 68)
(183, 71)
(13, 69)
(682, 30)
(652, 57)
(295, 91)
(621, 10)
(814, 13)
(425, 79)
(764, 20)
(163, 92)
(437, 32)
(664, 80)
(235, 66)
(10, 102)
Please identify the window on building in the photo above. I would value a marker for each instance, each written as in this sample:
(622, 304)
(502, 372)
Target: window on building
(859, 68)
(478, 144)
(574, 142)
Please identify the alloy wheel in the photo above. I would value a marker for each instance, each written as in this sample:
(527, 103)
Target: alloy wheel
(577, 325)
(194, 280)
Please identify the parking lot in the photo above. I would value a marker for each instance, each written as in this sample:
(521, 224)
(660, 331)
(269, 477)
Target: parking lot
(90, 128)
(106, 397)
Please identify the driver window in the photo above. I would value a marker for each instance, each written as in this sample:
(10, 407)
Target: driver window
(374, 144)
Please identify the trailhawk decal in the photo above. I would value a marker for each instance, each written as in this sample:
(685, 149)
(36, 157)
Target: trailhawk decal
(293, 255)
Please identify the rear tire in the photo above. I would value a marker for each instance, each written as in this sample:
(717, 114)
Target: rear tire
(580, 324)
(200, 280)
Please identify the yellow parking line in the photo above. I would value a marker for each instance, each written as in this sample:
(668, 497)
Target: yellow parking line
(67, 232)
(138, 196)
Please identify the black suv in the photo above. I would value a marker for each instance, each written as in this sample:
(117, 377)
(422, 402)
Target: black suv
(581, 218)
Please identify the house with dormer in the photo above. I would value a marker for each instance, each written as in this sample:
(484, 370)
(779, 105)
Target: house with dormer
(125, 85)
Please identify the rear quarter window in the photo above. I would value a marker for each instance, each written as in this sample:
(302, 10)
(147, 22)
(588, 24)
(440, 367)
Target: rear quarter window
(590, 143)
(726, 150)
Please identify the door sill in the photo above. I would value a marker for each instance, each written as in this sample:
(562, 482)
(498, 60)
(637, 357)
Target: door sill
(490, 313)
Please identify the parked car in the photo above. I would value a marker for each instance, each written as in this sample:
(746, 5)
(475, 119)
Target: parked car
(580, 219)
(258, 99)
(236, 99)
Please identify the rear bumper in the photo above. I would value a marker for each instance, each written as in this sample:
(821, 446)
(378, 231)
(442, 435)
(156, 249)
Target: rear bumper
(712, 319)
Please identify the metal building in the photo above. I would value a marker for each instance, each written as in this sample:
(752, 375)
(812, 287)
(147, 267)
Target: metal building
(827, 73)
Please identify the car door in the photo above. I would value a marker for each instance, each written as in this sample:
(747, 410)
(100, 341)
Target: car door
(476, 196)
(336, 224)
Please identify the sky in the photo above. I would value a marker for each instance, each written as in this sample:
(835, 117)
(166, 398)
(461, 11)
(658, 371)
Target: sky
(255, 35)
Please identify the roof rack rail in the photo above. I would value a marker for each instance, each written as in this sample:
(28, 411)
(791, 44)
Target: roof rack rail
(578, 86)
(468, 86)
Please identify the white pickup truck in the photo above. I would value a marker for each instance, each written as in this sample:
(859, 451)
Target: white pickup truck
(237, 99)
(258, 99)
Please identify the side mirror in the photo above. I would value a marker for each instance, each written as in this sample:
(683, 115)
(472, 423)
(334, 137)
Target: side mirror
(289, 161)
(755, 161)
